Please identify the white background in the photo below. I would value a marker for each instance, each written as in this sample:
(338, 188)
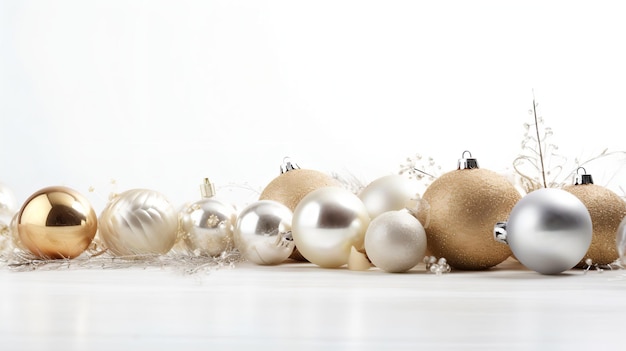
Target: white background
(160, 94)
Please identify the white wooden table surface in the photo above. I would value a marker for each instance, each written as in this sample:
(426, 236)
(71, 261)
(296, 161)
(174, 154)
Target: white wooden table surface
(303, 307)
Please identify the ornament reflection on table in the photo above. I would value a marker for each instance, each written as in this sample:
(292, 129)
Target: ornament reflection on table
(292, 185)
(138, 222)
(55, 222)
(207, 225)
(459, 210)
(263, 232)
(548, 230)
(327, 223)
(607, 210)
(395, 241)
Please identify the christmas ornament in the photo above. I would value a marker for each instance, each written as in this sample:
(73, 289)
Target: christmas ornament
(139, 222)
(207, 225)
(292, 185)
(327, 223)
(607, 210)
(56, 222)
(548, 230)
(458, 212)
(8, 205)
(263, 232)
(295, 183)
(395, 241)
(389, 193)
(621, 242)
(358, 261)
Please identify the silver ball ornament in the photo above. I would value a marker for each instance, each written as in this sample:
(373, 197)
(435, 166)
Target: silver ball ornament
(548, 231)
(139, 222)
(395, 241)
(207, 226)
(389, 193)
(621, 241)
(327, 223)
(263, 232)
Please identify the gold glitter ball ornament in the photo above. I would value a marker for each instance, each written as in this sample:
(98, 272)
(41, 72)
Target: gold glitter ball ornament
(56, 222)
(459, 211)
(607, 211)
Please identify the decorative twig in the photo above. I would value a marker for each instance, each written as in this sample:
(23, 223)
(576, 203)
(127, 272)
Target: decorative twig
(543, 170)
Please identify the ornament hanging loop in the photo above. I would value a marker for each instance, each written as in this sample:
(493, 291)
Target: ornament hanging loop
(581, 179)
(207, 189)
(467, 163)
(287, 165)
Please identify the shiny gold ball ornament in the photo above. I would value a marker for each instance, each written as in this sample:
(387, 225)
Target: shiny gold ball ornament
(459, 210)
(56, 222)
(139, 222)
(607, 210)
(292, 185)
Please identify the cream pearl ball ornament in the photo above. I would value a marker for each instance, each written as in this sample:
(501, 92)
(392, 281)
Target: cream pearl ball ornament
(607, 210)
(395, 241)
(389, 193)
(263, 232)
(327, 223)
(139, 222)
(207, 225)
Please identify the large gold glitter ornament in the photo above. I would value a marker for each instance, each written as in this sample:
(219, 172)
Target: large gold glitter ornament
(607, 210)
(292, 185)
(56, 222)
(459, 211)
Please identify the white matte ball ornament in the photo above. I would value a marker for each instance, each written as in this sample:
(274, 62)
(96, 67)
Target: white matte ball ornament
(263, 232)
(389, 193)
(395, 241)
(139, 222)
(549, 231)
(327, 223)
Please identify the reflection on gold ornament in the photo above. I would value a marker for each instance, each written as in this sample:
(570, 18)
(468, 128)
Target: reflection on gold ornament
(607, 210)
(292, 185)
(459, 211)
(56, 222)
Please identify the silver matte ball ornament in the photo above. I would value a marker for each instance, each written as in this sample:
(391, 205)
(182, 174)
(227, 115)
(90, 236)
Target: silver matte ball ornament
(138, 222)
(389, 193)
(548, 230)
(263, 232)
(327, 223)
(395, 241)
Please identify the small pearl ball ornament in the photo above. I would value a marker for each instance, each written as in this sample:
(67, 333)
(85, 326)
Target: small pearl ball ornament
(395, 241)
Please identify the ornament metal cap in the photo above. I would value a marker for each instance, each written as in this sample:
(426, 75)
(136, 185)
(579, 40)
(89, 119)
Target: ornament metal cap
(499, 232)
(580, 179)
(207, 189)
(287, 165)
(467, 162)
